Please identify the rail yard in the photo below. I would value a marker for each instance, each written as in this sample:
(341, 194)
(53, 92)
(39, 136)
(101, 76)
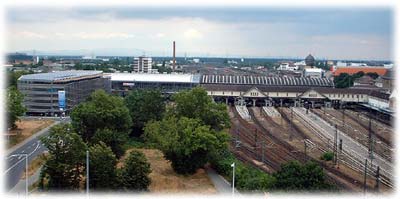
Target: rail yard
(268, 136)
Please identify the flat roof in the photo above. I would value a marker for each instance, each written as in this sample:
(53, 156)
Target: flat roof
(154, 77)
(59, 75)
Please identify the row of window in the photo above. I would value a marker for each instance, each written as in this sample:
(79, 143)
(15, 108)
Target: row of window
(297, 94)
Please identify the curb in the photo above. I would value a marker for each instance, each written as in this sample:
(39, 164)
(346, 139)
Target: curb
(14, 148)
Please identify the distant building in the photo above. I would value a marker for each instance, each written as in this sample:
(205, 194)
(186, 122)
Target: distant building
(57, 92)
(341, 64)
(313, 72)
(353, 70)
(288, 66)
(388, 80)
(364, 81)
(142, 64)
(122, 83)
(388, 65)
(310, 60)
(358, 64)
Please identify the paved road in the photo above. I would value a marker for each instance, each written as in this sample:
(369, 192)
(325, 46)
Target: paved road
(357, 150)
(15, 165)
(221, 185)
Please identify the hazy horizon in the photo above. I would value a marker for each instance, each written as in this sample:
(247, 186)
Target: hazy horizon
(327, 33)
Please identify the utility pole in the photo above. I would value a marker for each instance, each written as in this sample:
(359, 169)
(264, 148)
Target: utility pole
(343, 117)
(365, 175)
(233, 179)
(255, 138)
(377, 180)
(305, 151)
(262, 151)
(340, 150)
(291, 125)
(335, 144)
(87, 173)
(370, 142)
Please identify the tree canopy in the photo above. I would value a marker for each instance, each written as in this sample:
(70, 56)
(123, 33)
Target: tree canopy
(296, 176)
(115, 140)
(102, 167)
(101, 111)
(135, 173)
(64, 167)
(195, 103)
(186, 142)
(15, 107)
(144, 105)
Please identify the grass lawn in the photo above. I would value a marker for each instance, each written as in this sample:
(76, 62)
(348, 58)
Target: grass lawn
(25, 129)
(165, 180)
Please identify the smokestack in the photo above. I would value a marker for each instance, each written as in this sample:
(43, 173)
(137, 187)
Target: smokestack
(173, 59)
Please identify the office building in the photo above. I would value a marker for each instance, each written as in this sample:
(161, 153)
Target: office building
(142, 64)
(58, 92)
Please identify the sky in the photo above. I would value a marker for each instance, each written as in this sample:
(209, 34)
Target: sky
(327, 33)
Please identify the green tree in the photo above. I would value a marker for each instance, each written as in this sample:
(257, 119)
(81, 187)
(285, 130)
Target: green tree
(195, 103)
(13, 76)
(327, 156)
(294, 176)
(102, 169)
(100, 111)
(186, 142)
(344, 80)
(135, 173)
(144, 105)
(15, 107)
(374, 75)
(65, 165)
(115, 140)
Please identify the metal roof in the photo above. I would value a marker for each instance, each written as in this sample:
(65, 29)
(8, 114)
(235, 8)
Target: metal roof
(264, 80)
(148, 77)
(59, 75)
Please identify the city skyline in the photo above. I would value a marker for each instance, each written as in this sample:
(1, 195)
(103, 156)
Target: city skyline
(330, 33)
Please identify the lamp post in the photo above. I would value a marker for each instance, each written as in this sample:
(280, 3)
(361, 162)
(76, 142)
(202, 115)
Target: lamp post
(26, 170)
(87, 174)
(233, 179)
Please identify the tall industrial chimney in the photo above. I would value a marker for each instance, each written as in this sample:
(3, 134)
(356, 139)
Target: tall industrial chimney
(173, 59)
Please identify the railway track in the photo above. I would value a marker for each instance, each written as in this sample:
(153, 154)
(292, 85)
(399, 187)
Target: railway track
(382, 131)
(349, 157)
(341, 179)
(354, 130)
(250, 135)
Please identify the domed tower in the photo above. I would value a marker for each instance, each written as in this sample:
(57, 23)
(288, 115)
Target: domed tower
(310, 61)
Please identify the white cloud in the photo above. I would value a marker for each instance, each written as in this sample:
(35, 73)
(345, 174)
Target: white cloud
(110, 35)
(28, 34)
(192, 34)
(160, 35)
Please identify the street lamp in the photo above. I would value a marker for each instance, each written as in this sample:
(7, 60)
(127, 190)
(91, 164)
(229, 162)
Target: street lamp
(233, 179)
(26, 170)
(87, 173)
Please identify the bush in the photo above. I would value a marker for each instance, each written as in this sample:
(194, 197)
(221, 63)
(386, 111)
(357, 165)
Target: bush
(296, 176)
(247, 178)
(327, 156)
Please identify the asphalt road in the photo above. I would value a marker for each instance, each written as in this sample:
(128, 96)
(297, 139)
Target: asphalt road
(15, 164)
